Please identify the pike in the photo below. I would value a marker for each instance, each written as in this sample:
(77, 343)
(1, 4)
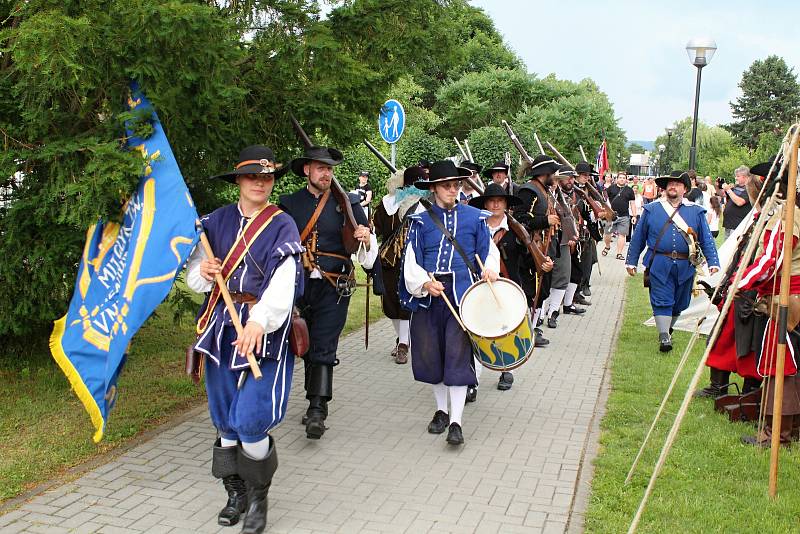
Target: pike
(463, 154)
(469, 152)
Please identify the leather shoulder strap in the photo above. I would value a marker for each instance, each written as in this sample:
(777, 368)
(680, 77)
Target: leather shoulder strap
(314, 216)
(429, 208)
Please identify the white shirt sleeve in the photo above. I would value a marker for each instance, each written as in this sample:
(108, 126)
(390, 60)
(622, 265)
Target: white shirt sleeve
(367, 257)
(194, 279)
(414, 275)
(275, 305)
(493, 258)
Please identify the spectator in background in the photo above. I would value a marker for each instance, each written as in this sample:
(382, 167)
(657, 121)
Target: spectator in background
(649, 191)
(712, 215)
(364, 192)
(710, 186)
(694, 194)
(623, 201)
(737, 204)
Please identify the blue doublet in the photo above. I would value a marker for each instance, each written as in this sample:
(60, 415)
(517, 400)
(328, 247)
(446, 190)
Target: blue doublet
(671, 278)
(441, 351)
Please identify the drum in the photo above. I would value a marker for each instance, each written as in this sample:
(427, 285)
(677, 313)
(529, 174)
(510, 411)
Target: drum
(502, 336)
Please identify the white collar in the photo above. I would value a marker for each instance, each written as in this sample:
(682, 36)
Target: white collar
(502, 226)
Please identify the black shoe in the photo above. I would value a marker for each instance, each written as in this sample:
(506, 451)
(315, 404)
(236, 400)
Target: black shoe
(224, 466)
(315, 424)
(708, 392)
(539, 322)
(258, 476)
(587, 292)
(552, 321)
(324, 404)
(472, 394)
(454, 435)
(579, 299)
(539, 339)
(506, 381)
(665, 342)
(439, 422)
(573, 310)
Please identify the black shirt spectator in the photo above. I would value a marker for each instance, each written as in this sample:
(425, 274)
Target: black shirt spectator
(620, 198)
(695, 195)
(734, 214)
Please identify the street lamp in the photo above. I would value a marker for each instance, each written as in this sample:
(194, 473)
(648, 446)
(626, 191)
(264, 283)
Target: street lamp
(700, 53)
(669, 131)
(661, 149)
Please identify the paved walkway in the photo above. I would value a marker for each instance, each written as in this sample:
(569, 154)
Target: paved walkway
(525, 466)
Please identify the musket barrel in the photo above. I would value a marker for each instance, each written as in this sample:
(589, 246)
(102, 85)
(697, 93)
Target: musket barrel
(300, 132)
(380, 156)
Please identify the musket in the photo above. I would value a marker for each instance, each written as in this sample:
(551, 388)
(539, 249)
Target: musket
(377, 153)
(538, 143)
(463, 154)
(515, 141)
(610, 214)
(351, 244)
(539, 259)
(469, 152)
(583, 153)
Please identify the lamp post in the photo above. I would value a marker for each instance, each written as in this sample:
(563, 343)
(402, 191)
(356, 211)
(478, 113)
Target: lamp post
(661, 149)
(700, 53)
(669, 131)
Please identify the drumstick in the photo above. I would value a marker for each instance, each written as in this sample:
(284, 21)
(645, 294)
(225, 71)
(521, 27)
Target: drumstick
(447, 301)
(491, 287)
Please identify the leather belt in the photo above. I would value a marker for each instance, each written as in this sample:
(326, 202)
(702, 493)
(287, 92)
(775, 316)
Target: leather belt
(674, 255)
(244, 298)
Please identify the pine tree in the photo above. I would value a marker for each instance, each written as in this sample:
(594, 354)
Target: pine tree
(770, 101)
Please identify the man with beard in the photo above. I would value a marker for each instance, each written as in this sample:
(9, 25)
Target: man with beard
(329, 273)
(439, 263)
(391, 225)
(671, 228)
(538, 214)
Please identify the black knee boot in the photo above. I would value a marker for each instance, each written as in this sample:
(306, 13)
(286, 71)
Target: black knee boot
(750, 385)
(223, 465)
(258, 476)
(719, 384)
(318, 393)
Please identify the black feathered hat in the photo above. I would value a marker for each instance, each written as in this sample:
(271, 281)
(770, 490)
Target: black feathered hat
(324, 154)
(255, 159)
(443, 171)
(472, 166)
(762, 169)
(500, 166)
(564, 171)
(413, 174)
(583, 167)
(494, 190)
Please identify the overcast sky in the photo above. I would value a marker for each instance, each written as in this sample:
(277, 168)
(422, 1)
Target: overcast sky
(635, 51)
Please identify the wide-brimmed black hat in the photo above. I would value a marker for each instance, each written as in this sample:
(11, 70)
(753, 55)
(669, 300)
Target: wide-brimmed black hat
(674, 176)
(494, 190)
(583, 167)
(762, 169)
(443, 171)
(255, 159)
(325, 154)
(472, 166)
(564, 171)
(542, 165)
(499, 166)
(413, 174)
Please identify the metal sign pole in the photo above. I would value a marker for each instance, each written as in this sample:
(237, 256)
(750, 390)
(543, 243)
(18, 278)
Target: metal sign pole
(394, 153)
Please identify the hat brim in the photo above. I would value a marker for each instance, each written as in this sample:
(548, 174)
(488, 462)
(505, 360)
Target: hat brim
(480, 201)
(230, 177)
(426, 184)
(542, 170)
(297, 164)
(488, 172)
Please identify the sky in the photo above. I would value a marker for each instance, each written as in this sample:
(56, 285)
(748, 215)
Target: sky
(636, 51)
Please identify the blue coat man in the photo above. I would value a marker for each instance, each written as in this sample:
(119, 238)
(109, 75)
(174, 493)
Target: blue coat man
(667, 256)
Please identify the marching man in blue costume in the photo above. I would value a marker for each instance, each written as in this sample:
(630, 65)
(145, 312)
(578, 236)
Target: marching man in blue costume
(674, 230)
(439, 261)
(260, 247)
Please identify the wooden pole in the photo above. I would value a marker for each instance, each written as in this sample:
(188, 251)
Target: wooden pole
(226, 296)
(449, 305)
(583, 153)
(783, 312)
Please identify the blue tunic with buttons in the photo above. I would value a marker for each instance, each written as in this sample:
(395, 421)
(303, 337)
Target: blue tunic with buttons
(671, 279)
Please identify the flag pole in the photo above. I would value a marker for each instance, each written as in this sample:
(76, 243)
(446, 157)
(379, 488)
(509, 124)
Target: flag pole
(226, 296)
(783, 313)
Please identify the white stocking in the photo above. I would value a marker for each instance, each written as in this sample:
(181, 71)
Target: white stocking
(570, 294)
(440, 393)
(458, 397)
(257, 450)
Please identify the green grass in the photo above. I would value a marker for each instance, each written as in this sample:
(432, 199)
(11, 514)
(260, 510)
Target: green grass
(711, 482)
(44, 430)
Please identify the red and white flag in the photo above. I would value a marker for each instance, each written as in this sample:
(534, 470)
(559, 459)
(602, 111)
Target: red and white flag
(602, 159)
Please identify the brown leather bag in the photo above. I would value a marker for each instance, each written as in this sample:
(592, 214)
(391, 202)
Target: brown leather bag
(195, 364)
(299, 340)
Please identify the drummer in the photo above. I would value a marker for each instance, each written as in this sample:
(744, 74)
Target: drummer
(514, 257)
(439, 265)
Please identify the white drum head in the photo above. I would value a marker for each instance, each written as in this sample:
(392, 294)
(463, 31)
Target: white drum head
(482, 316)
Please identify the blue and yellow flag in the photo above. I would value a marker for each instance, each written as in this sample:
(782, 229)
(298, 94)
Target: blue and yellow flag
(126, 271)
